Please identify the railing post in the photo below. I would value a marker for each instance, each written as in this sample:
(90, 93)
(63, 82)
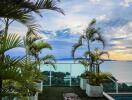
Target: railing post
(50, 76)
(70, 74)
(117, 87)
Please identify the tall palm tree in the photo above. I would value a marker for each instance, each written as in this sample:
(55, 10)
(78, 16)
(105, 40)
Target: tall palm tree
(91, 34)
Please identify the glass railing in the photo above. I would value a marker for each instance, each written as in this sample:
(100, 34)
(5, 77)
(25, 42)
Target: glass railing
(110, 86)
(64, 74)
(125, 87)
(68, 74)
(117, 87)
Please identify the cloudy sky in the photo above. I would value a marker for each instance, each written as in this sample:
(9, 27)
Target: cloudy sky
(114, 17)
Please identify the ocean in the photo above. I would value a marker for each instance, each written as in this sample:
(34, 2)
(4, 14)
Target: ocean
(121, 70)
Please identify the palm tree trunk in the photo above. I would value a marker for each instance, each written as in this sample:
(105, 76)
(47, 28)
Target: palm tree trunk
(88, 47)
(38, 63)
(97, 69)
(6, 27)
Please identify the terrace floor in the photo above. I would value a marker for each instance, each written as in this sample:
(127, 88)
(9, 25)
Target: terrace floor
(56, 93)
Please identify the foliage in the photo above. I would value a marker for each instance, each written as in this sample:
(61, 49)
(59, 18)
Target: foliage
(90, 35)
(34, 45)
(22, 10)
(91, 59)
(86, 74)
(18, 74)
(96, 58)
(97, 78)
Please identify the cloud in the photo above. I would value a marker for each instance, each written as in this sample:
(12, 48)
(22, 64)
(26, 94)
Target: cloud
(123, 33)
(96, 1)
(126, 3)
(113, 16)
(102, 18)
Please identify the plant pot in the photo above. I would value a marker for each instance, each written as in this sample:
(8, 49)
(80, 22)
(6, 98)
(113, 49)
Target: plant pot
(94, 91)
(35, 97)
(83, 82)
(40, 85)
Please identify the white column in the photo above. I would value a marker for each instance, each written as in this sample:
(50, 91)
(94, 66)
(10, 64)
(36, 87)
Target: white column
(70, 74)
(50, 76)
(117, 87)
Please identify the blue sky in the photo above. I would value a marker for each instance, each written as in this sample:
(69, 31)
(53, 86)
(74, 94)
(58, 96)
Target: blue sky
(113, 16)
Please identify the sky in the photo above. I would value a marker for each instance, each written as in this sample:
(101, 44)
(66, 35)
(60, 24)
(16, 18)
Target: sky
(114, 17)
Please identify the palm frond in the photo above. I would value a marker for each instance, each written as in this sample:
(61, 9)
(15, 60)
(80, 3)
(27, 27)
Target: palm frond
(38, 46)
(48, 57)
(50, 63)
(88, 53)
(30, 38)
(77, 45)
(10, 68)
(94, 34)
(10, 42)
(29, 21)
(84, 63)
(93, 22)
(47, 4)
(98, 78)
(74, 48)
(104, 53)
(21, 11)
(101, 39)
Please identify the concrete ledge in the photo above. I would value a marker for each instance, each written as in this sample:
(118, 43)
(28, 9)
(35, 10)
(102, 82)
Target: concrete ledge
(108, 96)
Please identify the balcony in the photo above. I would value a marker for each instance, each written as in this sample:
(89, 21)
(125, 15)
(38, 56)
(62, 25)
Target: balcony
(66, 79)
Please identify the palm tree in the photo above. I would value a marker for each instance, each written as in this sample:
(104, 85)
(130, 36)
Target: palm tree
(22, 77)
(36, 48)
(19, 70)
(96, 77)
(34, 45)
(21, 11)
(91, 34)
(11, 41)
(96, 58)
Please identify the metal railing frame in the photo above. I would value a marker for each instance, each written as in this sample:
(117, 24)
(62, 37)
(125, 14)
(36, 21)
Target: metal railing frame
(70, 83)
(70, 78)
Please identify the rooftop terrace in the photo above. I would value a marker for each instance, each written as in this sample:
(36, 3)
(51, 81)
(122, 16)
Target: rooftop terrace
(56, 93)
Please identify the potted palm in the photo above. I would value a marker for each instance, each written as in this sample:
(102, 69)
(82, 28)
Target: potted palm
(35, 49)
(94, 87)
(84, 76)
(91, 34)
(83, 80)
